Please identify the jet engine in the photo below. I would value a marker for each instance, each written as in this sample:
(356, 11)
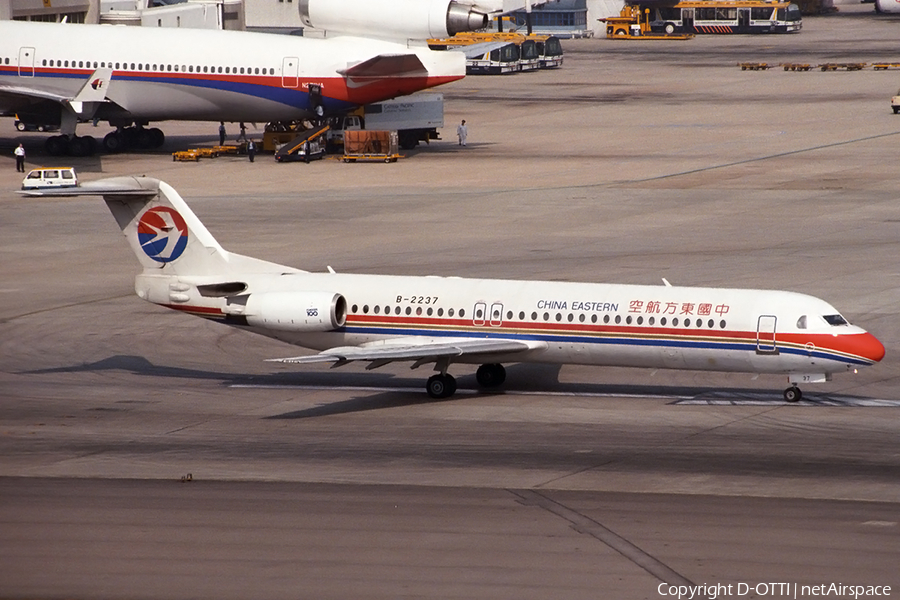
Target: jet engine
(297, 311)
(392, 19)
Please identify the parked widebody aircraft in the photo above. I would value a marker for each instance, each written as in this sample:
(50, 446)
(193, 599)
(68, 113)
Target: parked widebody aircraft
(380, 319)
(372, 50)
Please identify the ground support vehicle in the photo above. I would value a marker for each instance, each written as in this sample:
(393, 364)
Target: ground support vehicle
(415, 118)
(880, 66)
(533, 51)
(56, 177)
(491, 58)
(186, 155)
(27, 126)
(225, 149)
(838, 66)
(796, 66)
(722, 16)
(307, 146)
(368, 145)
(895, 103)
(633, 23)
(755, 66)
(550, 52)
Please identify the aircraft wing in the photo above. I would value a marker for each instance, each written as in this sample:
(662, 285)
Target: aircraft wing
(15, 98)
(20, 93)
(426, 351)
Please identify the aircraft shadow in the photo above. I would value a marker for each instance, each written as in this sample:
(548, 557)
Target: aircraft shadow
(377, 391)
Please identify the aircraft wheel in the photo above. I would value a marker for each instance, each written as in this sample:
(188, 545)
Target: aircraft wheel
(144, 138)
(130, 136)
(79, 146)
(793, 394)
(114, 142)
(441, 386)
(490, 375)
(157, 137)
(56, 145)
(91, 142)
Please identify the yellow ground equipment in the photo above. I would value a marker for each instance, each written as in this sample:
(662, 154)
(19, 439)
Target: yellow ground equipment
(634, 24)
(186, 155)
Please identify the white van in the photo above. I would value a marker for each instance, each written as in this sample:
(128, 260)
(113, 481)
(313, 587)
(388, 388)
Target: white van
(59, 177)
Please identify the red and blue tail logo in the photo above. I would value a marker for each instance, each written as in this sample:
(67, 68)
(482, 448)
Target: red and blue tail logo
(162, 234)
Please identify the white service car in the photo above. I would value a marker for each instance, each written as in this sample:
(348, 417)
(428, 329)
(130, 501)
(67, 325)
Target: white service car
(58, 177)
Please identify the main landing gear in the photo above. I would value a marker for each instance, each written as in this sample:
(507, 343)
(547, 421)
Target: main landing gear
(72, 145)
(443, 385)
(120, 140)
(135, 137)
(793, 394)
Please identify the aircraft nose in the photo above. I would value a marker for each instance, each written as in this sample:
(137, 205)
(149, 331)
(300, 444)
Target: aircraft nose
(868, 347)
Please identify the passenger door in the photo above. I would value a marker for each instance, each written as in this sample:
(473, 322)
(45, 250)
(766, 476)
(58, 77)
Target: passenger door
(26, 62)
(765, 335)
(290, 72)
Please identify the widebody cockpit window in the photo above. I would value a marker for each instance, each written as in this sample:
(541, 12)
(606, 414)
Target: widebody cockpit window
(835, 320)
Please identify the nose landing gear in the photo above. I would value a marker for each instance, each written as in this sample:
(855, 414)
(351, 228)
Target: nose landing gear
(793, 394)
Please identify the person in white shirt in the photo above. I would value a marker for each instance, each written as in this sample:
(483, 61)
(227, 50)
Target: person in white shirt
(20, 158)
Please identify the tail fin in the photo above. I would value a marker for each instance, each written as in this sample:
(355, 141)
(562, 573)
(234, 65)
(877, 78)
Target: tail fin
(164, 234)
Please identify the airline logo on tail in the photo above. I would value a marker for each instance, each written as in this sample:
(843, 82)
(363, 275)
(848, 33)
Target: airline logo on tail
(162, 234)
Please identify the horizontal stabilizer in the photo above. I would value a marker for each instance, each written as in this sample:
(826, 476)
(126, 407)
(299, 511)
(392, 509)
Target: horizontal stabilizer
(430, 350)
(386, 65)
(114, 186)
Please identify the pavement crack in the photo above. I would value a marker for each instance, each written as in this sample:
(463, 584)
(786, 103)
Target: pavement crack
(588, 526)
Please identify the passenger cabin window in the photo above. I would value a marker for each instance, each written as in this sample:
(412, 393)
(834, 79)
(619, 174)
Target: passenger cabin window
(835, 320)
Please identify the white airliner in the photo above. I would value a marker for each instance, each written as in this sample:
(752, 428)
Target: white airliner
(130, 76)
(381, 318)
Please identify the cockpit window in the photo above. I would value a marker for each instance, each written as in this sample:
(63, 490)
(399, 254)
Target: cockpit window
(801, 322)
(835, 320)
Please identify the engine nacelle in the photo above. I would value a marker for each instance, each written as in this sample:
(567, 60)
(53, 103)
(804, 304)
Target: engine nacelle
(392, 19)
(297, 311)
